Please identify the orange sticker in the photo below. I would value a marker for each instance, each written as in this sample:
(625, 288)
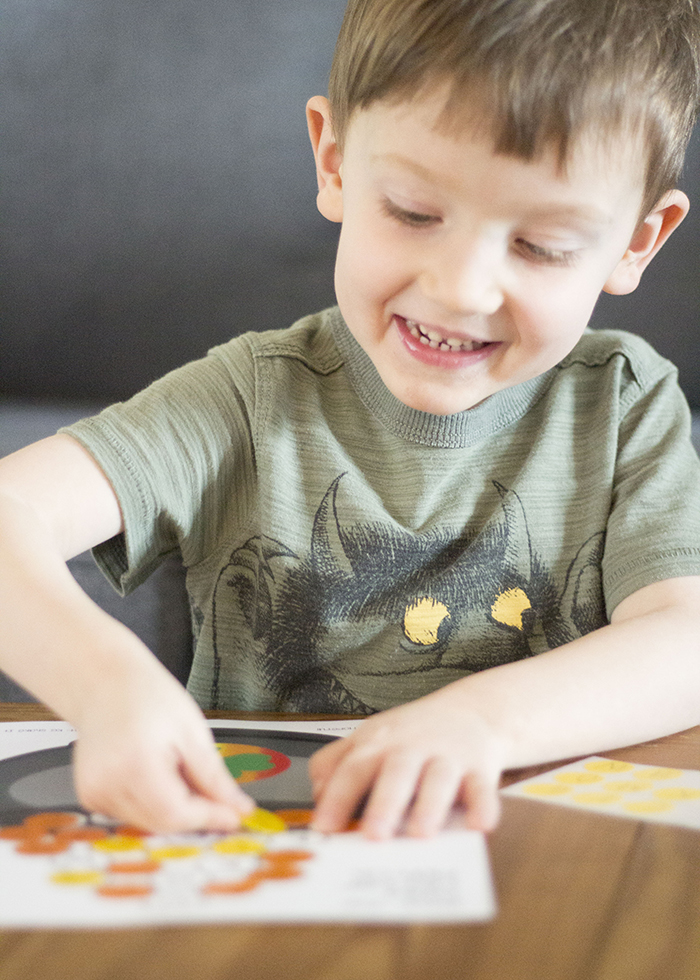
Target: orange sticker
(124, 891)
(133, 867)
(234, 887)
(296, 818)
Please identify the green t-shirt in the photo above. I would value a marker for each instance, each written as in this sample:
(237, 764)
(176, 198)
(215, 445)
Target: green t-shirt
(346, 553)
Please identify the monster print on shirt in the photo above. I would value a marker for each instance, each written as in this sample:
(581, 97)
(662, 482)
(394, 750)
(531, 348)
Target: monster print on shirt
(374, 615)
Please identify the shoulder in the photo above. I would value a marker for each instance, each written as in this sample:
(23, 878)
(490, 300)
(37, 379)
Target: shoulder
(309, 341)
(625, 356)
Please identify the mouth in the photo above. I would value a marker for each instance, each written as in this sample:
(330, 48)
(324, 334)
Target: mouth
(437, 340)
(435, 347)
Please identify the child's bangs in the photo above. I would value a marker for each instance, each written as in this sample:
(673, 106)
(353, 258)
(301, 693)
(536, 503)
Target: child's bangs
(533, 73)
(530, 114)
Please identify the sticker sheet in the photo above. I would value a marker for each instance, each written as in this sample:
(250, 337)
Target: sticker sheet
(64, 867)
(622, 789)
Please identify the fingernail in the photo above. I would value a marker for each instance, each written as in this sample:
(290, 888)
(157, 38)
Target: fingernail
(321, 826)
(376, 830)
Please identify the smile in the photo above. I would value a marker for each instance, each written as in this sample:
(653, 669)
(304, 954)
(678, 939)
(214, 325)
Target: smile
(431, 337)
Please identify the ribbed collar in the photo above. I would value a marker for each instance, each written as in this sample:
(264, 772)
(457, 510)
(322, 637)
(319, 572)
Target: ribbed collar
(443, 431)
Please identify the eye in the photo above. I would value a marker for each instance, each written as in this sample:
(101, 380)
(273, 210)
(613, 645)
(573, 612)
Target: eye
(509, 608)
(544, 256)
(425, 620)
(412, 218)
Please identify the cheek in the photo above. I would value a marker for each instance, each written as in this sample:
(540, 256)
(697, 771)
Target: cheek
(555, 315)
(370, 262)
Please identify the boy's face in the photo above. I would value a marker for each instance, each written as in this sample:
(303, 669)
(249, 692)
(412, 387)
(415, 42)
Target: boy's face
(462, 272)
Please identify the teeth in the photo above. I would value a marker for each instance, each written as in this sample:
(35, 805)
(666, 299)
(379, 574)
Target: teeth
(433, 338)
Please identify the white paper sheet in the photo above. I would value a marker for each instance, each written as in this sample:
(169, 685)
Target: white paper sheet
(292, 876)
(657, 794)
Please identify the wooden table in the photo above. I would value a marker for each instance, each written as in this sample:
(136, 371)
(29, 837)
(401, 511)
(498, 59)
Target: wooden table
(581, 897)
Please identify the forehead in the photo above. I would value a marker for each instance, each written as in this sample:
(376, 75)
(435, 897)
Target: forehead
(429, 141)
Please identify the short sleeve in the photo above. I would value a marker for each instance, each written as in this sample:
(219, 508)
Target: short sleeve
(653, 531)
(180, 458)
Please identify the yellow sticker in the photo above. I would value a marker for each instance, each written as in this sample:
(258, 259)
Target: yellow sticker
(578, 778)
(658, 773)
(264, 821)
(627, 785)
(545, 789)
(77, 878)
(677, 793)
(597, 798)
(239, 845)
(118, 844)
(648, 806)
(174, 851)
(608, 765)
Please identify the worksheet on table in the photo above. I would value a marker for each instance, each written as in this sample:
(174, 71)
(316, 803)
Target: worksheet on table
(63, 867)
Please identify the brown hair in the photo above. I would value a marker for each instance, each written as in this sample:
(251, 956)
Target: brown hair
(541, 71)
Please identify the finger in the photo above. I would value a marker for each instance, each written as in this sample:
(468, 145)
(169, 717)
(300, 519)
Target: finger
(167, 804)
(323, 763)
(440, 786)
(199, 813)
(206, 775)
(391, 795)
(150, 793)
(345, 790)
(481, 799)
(209, 797)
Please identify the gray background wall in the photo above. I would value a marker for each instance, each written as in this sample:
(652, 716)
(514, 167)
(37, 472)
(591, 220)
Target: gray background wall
(158, 192)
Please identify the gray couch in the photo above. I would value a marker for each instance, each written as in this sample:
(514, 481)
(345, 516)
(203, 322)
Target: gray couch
(158, 198)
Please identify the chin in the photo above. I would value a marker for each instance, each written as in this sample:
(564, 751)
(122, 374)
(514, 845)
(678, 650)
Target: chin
(435, 404)
(436, 399)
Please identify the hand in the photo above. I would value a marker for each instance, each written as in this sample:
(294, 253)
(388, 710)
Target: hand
(146, 756)
(413, 763)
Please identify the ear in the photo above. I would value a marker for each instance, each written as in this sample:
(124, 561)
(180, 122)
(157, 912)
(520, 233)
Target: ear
(648, 238)
(328, 158)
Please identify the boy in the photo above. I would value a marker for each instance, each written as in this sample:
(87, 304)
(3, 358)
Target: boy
(442, 504)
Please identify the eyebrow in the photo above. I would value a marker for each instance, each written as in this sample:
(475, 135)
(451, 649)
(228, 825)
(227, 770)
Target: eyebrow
(589, 216)
(425, 173)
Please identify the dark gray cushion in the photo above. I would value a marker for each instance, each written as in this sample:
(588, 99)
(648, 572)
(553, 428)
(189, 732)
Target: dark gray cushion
(158, 184)
(159, 193)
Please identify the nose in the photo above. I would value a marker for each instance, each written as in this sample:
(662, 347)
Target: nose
(465, 276)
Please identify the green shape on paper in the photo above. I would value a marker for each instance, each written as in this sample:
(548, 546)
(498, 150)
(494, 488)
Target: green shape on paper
(248, 762)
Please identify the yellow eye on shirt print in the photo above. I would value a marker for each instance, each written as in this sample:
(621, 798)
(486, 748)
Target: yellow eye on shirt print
(509, 607)
(424, 620)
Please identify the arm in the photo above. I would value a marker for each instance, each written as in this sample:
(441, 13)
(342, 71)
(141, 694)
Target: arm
(633, 680)
(145, 754)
